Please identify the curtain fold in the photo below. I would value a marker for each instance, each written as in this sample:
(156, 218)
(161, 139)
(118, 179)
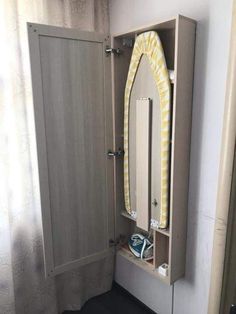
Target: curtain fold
(23, 288)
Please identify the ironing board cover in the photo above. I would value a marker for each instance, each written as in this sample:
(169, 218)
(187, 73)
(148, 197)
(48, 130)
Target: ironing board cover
(149, 44)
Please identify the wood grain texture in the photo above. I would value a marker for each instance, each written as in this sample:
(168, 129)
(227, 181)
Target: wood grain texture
(181, 136)
(161, 249)
(167, 37)
(74, 118)
(143, 166)
(120, 66)
(143, 265)
(41, 149)
(159, 25)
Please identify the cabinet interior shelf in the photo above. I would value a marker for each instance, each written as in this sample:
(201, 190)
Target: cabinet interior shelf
(163, 231)
(147, 266)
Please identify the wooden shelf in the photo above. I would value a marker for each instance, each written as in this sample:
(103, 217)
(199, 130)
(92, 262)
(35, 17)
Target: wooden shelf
(166, 232)
(125, 247)
(163, 231)
(126, 215)
(148, 267)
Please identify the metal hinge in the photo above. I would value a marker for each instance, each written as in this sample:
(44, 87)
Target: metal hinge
(118, 153)
(116, 51)
(118, 241)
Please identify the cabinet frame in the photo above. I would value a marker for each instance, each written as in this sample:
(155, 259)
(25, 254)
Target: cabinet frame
(178, 39)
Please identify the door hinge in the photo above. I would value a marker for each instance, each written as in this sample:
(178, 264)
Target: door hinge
(118, 153)
(121, 240)
(116, 51)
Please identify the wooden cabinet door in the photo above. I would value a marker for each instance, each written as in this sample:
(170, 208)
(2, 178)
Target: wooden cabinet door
(73, 117)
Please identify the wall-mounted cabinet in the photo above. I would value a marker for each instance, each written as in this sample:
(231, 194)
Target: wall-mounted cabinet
(177, 36)
(79, 87)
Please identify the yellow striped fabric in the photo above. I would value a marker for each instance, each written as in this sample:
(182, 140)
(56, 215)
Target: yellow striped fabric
(149, 43)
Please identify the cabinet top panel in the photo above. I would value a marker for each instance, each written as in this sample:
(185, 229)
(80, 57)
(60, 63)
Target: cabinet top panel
(158, 25)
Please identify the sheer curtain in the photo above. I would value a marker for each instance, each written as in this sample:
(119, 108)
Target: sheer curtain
(23, 288)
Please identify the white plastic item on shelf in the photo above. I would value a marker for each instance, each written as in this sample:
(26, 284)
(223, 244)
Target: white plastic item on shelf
(163, 269)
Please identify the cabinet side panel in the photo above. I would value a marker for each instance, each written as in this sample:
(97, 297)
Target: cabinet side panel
(181, 136)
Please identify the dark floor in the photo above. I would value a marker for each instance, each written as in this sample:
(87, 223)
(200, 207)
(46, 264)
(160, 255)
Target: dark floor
(116, 301)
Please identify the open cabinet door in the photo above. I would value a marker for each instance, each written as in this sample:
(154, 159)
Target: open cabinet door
(73, 117)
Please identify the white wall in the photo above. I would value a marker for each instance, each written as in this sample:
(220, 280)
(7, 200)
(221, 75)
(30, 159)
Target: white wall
(190, 295)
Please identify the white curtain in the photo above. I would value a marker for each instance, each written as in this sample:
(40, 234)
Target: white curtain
(23, 288)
